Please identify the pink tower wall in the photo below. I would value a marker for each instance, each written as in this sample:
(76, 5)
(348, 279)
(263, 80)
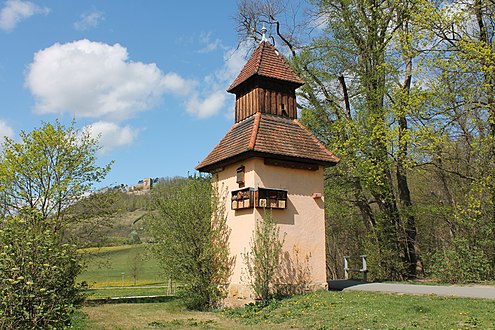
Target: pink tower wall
(302, 222)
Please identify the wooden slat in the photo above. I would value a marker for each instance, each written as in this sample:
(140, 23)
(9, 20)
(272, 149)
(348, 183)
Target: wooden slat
(267, 101)
(237, 109)
(273, 102)
(292, 107)
(251, 103)
(285, 102)
(241, 106)
(246, 100)
(262, 100)
(256, 101)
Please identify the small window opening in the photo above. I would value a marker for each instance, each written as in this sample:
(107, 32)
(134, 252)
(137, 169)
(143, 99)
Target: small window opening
(284, 112)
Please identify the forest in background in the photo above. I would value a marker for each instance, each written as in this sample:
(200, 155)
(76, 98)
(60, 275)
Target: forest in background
(403, 92)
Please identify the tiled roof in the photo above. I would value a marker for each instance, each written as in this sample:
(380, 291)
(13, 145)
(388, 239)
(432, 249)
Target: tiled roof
(268, 135)
(266, 61)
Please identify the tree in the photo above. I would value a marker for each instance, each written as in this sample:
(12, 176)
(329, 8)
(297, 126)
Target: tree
(188, 226)
(263, 260)
(41, 178)
(50, 169)
(403, 91)
(90, 220)
(463, 87)
(348, 102)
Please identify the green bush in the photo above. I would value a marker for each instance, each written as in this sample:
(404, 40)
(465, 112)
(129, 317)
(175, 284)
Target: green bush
(264, 258)
(37, 277)
(382, 261)
(191, 235)
(462, 261)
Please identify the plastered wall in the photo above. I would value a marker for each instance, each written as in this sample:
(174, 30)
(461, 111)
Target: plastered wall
(302, 223)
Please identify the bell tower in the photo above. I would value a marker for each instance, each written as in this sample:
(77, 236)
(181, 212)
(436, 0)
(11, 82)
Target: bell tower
(269, 160)
(266, 84)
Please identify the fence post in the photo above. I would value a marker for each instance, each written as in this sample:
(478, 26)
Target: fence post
(169, 287)
(364, 268)
(346, 268)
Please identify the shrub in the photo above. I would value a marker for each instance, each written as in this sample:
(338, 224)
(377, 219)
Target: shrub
(37, 277)
(462, 261)
(188, 226)
(263, 260)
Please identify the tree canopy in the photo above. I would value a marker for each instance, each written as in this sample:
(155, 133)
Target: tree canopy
(48, 170)
(403, 92)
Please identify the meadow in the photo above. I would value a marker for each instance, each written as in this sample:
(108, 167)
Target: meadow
(320, 310)
(105, 266)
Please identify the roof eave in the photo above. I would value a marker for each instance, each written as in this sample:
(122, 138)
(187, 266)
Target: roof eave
(232, 89)
(209, 168)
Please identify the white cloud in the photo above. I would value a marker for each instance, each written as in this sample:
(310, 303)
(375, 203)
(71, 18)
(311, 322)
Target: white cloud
(5, 130)
(177, 85)
(96, 80)
(211, 98)
(319, 21)
(234, 60)
(111, 136)
(89, 20)
(207, 107)
(15, 11)
(209, 45)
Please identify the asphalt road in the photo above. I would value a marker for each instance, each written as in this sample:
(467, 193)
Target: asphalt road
(474, 291)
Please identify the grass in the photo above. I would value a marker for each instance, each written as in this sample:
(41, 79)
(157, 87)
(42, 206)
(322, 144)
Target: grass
(127, 292)
(170, 315)
(367, 310)
(320, 310)
(106, 265)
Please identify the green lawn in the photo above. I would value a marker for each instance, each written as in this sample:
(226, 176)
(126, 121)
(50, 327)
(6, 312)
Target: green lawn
(127, 292)
(368, 310)
(106, 265)
(321, 310)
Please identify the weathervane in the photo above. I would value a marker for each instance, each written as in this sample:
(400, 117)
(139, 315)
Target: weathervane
(263, 34)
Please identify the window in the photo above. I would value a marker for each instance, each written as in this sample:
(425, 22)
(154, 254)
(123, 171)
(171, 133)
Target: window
(283, 110)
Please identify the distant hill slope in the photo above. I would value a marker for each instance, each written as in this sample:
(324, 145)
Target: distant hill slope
(113, 216)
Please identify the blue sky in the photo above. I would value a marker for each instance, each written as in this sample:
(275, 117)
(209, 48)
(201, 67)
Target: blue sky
(149, 76)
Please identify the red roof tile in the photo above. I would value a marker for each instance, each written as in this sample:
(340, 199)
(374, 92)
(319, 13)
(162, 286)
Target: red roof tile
(268, 135)
(266, 61)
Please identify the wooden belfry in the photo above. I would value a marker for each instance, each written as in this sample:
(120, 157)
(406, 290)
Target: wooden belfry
(269, 160)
